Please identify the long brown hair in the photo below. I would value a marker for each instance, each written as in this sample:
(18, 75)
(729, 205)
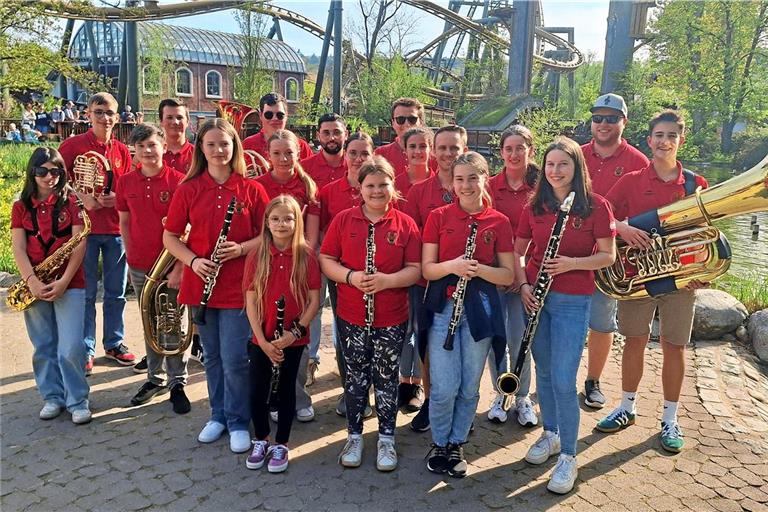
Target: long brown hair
(309, 183)
(533, 171)
(543, 198)
(200, 164)
(299, 284)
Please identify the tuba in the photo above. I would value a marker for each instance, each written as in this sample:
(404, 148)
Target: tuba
(685, 246)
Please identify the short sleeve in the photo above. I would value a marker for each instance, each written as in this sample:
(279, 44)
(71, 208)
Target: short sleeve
(702, 182)
(261, 199)
(604, 223)
(17, 215)
(121, 203)
(506, 240)
(413, 248)
(178, 212)
(411, 204)
(432, 228)
(618, 199)
(322, 200)
(332, 242)
(524, 230)
(305, 151)
(313, 270)
(75, 213)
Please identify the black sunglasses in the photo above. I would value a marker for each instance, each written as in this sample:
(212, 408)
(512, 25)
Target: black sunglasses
(269, 115)
(403, 119)
(42, 172)
(612, 119)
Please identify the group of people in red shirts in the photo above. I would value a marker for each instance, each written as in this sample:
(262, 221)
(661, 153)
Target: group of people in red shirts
(389, 234)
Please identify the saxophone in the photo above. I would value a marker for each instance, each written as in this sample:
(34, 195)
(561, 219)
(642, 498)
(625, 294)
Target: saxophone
(461, 289)
(19, 295)
(370, 268)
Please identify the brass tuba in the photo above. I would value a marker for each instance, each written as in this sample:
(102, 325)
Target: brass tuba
(684, 244)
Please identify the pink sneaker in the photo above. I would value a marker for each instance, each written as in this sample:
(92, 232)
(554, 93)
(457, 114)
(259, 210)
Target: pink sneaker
(278, 461)
(258, 455)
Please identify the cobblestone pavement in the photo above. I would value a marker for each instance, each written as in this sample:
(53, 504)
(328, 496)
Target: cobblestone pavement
(147, 458)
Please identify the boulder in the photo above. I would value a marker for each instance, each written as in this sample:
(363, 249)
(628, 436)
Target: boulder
(758, 331)
(7, 279)
(717, 313)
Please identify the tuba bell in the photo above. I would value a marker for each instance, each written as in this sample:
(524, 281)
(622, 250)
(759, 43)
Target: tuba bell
(685, 246)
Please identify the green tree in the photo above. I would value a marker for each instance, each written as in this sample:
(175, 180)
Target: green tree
(253, 80)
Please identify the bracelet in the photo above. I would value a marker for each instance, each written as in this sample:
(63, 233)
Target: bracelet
(193, 261)
(26, 279)
(349, 274)
(298, 330)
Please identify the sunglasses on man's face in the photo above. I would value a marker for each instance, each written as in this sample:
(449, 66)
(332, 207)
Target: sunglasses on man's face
(403, 119)
(269, 115)
(42, 172)
(612, 119)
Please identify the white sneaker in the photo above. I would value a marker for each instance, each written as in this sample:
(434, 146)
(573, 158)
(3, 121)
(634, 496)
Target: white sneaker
(50, 410)
(386, 457)
(564, 475)
(211, 432)
(548, 444)
(273, 415)
(497, 414)
(526, 416)
(352, 454)
(239, 441)
(306, 414)
(81, 416)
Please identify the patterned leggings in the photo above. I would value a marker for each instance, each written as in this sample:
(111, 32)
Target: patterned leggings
(375, 357)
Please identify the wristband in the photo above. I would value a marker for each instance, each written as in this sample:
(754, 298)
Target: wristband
(26, 279)
(193, 261)
(349, 274)
(298, 330)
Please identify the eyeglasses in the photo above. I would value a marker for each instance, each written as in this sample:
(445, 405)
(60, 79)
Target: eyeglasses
(42, 172)
(612, 119)
(281, 220)
(403, 119)
(102, 113)
(269, 115)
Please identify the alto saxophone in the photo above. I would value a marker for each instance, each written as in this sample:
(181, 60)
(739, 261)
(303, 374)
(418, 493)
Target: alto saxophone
(19, 295)
(370, 268)
(461, 289)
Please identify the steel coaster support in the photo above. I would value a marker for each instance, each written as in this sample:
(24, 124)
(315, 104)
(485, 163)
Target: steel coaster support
(324, 56)
(337, 52)
(521, 47)
(619, 45)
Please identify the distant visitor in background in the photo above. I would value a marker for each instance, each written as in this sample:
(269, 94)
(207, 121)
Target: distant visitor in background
(128, 116)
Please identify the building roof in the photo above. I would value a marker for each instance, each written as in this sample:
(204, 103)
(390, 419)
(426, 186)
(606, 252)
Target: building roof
(189, 45)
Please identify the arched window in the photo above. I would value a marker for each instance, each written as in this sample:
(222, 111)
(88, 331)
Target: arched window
(291, 89)
(184, 82)
(150, 80)
(213, 84)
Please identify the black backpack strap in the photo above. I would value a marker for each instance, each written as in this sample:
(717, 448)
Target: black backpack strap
(690, 182)
(47, 244)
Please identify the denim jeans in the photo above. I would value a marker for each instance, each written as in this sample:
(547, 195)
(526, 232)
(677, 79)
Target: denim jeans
(409, 359)
(315, 326)
(225, 338)
(557, 348)
(455, 378)
(514, 319)
(56, 331)
(115, 277)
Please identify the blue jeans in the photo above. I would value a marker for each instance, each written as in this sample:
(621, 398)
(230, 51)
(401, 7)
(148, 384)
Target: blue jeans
(56, 331)
(602, 313)
(409, 359)
(315, 326)
(557, 348)
(225, 338)
(115, 276)
(455, 378)
(514, 319)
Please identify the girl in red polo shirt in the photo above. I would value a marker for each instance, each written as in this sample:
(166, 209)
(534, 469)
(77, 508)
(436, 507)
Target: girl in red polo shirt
(587, 244)
(418, 146)
(510, 190)
(202, 200)
(372, 345)
(455, 373)
(282, 265)
(43, 220)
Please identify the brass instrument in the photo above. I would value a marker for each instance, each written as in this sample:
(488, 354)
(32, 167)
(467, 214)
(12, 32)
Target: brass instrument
(255, 164)
(684, 244)
(235, 113)
(19, 295)
(92, 174)
(461, 289)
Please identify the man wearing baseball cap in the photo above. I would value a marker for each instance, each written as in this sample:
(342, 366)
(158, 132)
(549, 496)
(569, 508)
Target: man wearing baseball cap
(609, 156)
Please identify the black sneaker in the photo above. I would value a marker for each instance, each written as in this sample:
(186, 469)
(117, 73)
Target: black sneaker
(179, 400)
(415, 399)
(141, 366)
(404, 392)
(457, 464)
(420, 422)
(437, 459)
(146, 392)
(593, 397)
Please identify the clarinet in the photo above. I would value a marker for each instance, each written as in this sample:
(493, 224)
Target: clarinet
(370, 268)
(461, 289)
(210, 282)
(275, 379)
(509, 383)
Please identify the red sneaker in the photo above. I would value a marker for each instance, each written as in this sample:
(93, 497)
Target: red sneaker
(89, 366)
(121, 354)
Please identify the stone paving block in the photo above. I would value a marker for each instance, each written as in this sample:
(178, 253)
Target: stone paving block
(725, 505)
(753, 506)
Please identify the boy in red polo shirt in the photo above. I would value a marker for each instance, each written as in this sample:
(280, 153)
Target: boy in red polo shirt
(105, 237)
(273, 115)
(407, 113)
(143, 198)
(661, 183)
(174, 120)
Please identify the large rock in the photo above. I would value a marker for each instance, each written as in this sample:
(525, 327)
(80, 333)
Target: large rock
(758, 331)
(717, 313)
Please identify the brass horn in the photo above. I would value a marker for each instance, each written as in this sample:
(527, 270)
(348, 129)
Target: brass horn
(684, 244)
(255, 164)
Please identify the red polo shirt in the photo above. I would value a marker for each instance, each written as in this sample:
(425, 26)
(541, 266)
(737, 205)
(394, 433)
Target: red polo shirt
(336, 197)
(181, 160)
(425, 197)
(293, 187)
(448, 226)
(69, 215)
(509, 201)
(605, 172)
(104, 221)
(395, 155)
(403, 185)
(202, 203)
(147, 200)
(642, 191)
(279, 283)
(397, 242)
(323, 174)
(579, 239)
(258, 143)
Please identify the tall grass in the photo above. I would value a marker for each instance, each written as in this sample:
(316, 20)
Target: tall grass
(751, 290)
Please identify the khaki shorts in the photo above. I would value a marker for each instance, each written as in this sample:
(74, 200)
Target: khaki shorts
(675, 316)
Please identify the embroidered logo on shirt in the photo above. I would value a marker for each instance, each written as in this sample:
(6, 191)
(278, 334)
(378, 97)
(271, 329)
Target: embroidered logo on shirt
(391, 237)
(239, 206)
(577, 222)
(63, 217)
(489, 236)
(118, 163)
(165, 196)
(617, 171)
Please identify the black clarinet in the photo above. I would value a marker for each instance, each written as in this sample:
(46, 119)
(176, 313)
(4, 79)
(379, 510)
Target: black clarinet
(274, 381)
(461, 289)
(370, 268)
(210, 282)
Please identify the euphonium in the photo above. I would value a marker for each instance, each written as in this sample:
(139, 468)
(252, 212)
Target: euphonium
(685, 246)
